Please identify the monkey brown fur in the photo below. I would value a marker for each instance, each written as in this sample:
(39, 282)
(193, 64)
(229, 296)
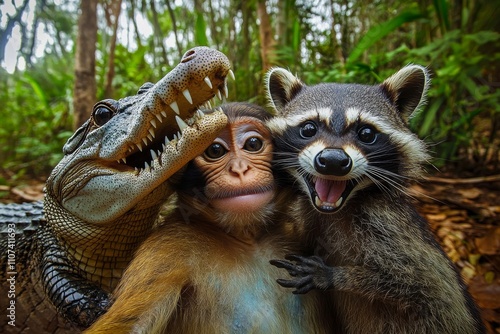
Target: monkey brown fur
(206, 270)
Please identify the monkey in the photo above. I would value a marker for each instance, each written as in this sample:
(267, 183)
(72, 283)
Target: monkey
(206, 269)
(350, 155)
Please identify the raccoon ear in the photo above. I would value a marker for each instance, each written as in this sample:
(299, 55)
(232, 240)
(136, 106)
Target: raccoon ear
(282, 87)
(407, 89)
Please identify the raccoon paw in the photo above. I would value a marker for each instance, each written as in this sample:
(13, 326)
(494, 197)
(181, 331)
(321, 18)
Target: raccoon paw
(309, 273)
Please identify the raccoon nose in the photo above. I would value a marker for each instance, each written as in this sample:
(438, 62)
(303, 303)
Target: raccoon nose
(333, 161)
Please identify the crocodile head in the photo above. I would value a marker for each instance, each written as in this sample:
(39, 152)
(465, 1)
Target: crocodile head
(130, 147)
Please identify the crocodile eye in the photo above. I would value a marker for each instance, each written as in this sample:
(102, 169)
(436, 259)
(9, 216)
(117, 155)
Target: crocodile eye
(102, 114)
(253, 144)
(215, 151)
(367, 135)
(308, 130)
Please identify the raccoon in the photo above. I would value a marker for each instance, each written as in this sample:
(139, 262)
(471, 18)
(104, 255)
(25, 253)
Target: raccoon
(350, 155)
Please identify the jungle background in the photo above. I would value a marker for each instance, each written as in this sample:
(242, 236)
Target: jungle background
(59, 57)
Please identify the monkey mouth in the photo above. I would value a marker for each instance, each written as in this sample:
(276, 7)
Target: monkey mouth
(328, 196)
(243, 200)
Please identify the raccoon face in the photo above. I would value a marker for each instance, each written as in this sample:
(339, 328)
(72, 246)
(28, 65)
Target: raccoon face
(338, 139)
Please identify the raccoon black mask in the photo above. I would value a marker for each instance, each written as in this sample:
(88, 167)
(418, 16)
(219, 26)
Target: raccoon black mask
(336, 139)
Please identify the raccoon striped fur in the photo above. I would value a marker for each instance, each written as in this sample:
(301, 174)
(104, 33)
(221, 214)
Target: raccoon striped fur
(350, 155)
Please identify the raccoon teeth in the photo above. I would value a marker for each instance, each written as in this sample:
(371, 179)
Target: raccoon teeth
(328, 206)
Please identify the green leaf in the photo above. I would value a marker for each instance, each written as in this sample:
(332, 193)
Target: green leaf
(39, 92)
(429, 118)
(380, 31)
(483, 37)
(200, 32)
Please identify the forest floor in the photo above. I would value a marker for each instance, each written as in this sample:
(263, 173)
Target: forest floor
(463, 213)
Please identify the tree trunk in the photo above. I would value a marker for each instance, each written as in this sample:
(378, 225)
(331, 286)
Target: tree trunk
(115, 9)
(84, 94)
(174, 29)
(267, 43)
(158, 35)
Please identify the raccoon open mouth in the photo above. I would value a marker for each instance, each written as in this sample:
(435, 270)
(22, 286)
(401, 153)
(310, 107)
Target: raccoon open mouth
(328, 196)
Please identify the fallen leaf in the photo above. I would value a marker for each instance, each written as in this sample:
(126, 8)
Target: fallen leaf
(490, 243)
(471, 193)
(486, 295)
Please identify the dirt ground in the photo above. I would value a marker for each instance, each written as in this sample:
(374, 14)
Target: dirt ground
(465, 216)
(463, 213)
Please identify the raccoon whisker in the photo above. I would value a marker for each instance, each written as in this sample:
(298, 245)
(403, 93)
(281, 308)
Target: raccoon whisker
(383, 179)
(391, 178)
(389, 173)
(379, 184)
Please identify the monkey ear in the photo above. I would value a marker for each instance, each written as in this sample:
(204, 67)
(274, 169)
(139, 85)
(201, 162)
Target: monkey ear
(407, 89)
(282, 87)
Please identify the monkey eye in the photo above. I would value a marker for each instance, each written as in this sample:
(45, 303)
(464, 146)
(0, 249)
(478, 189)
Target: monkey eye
(102, 113)
(367, 134)
(253, 144)
(308, 130)
(215, 151)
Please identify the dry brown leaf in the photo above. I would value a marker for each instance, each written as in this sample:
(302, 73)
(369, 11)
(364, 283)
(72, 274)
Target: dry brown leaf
(486, 295)
(471, 193)
(490, 243)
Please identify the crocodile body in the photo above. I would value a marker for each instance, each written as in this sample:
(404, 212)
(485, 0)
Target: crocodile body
(103, 198)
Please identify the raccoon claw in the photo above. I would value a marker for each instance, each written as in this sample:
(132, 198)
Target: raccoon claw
(309, 273)
(301, 285)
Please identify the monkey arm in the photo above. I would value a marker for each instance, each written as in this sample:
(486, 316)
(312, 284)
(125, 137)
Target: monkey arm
(145, 299)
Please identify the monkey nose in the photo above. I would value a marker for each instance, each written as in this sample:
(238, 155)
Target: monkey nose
(239, 167)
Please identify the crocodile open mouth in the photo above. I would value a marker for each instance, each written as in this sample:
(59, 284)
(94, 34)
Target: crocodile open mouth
(328, 196)
(150, 150)
(161, 131)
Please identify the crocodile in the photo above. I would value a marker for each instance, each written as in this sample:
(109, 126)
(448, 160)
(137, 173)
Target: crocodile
(61, 258)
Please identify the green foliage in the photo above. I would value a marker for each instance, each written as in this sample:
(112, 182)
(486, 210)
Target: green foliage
(322, 41)
(459, 95)
(380, 31)
(35, 119)
(200, 34)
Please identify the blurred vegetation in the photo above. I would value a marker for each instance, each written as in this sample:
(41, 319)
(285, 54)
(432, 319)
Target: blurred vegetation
(335, 40)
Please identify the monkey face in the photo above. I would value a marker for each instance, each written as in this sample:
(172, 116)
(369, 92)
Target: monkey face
(237, 167)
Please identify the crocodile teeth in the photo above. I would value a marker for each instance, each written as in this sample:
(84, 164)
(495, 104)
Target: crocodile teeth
(163, 113)
(231, 74)
(149, 137)
(208, 82)
(151, 132)
(187, 95)
(224, 90)
(166, 141)
(146, 167)
(182, 125)
(153, 154)
(124, 160)
(139, 146)
(200, 113)
(218, 95)
(175, 137)
(208, 105)
(153, 123)
(158, 116)
(175, 107)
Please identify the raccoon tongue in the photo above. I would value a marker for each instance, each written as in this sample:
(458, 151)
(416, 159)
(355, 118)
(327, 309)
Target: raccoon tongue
(329, 191)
